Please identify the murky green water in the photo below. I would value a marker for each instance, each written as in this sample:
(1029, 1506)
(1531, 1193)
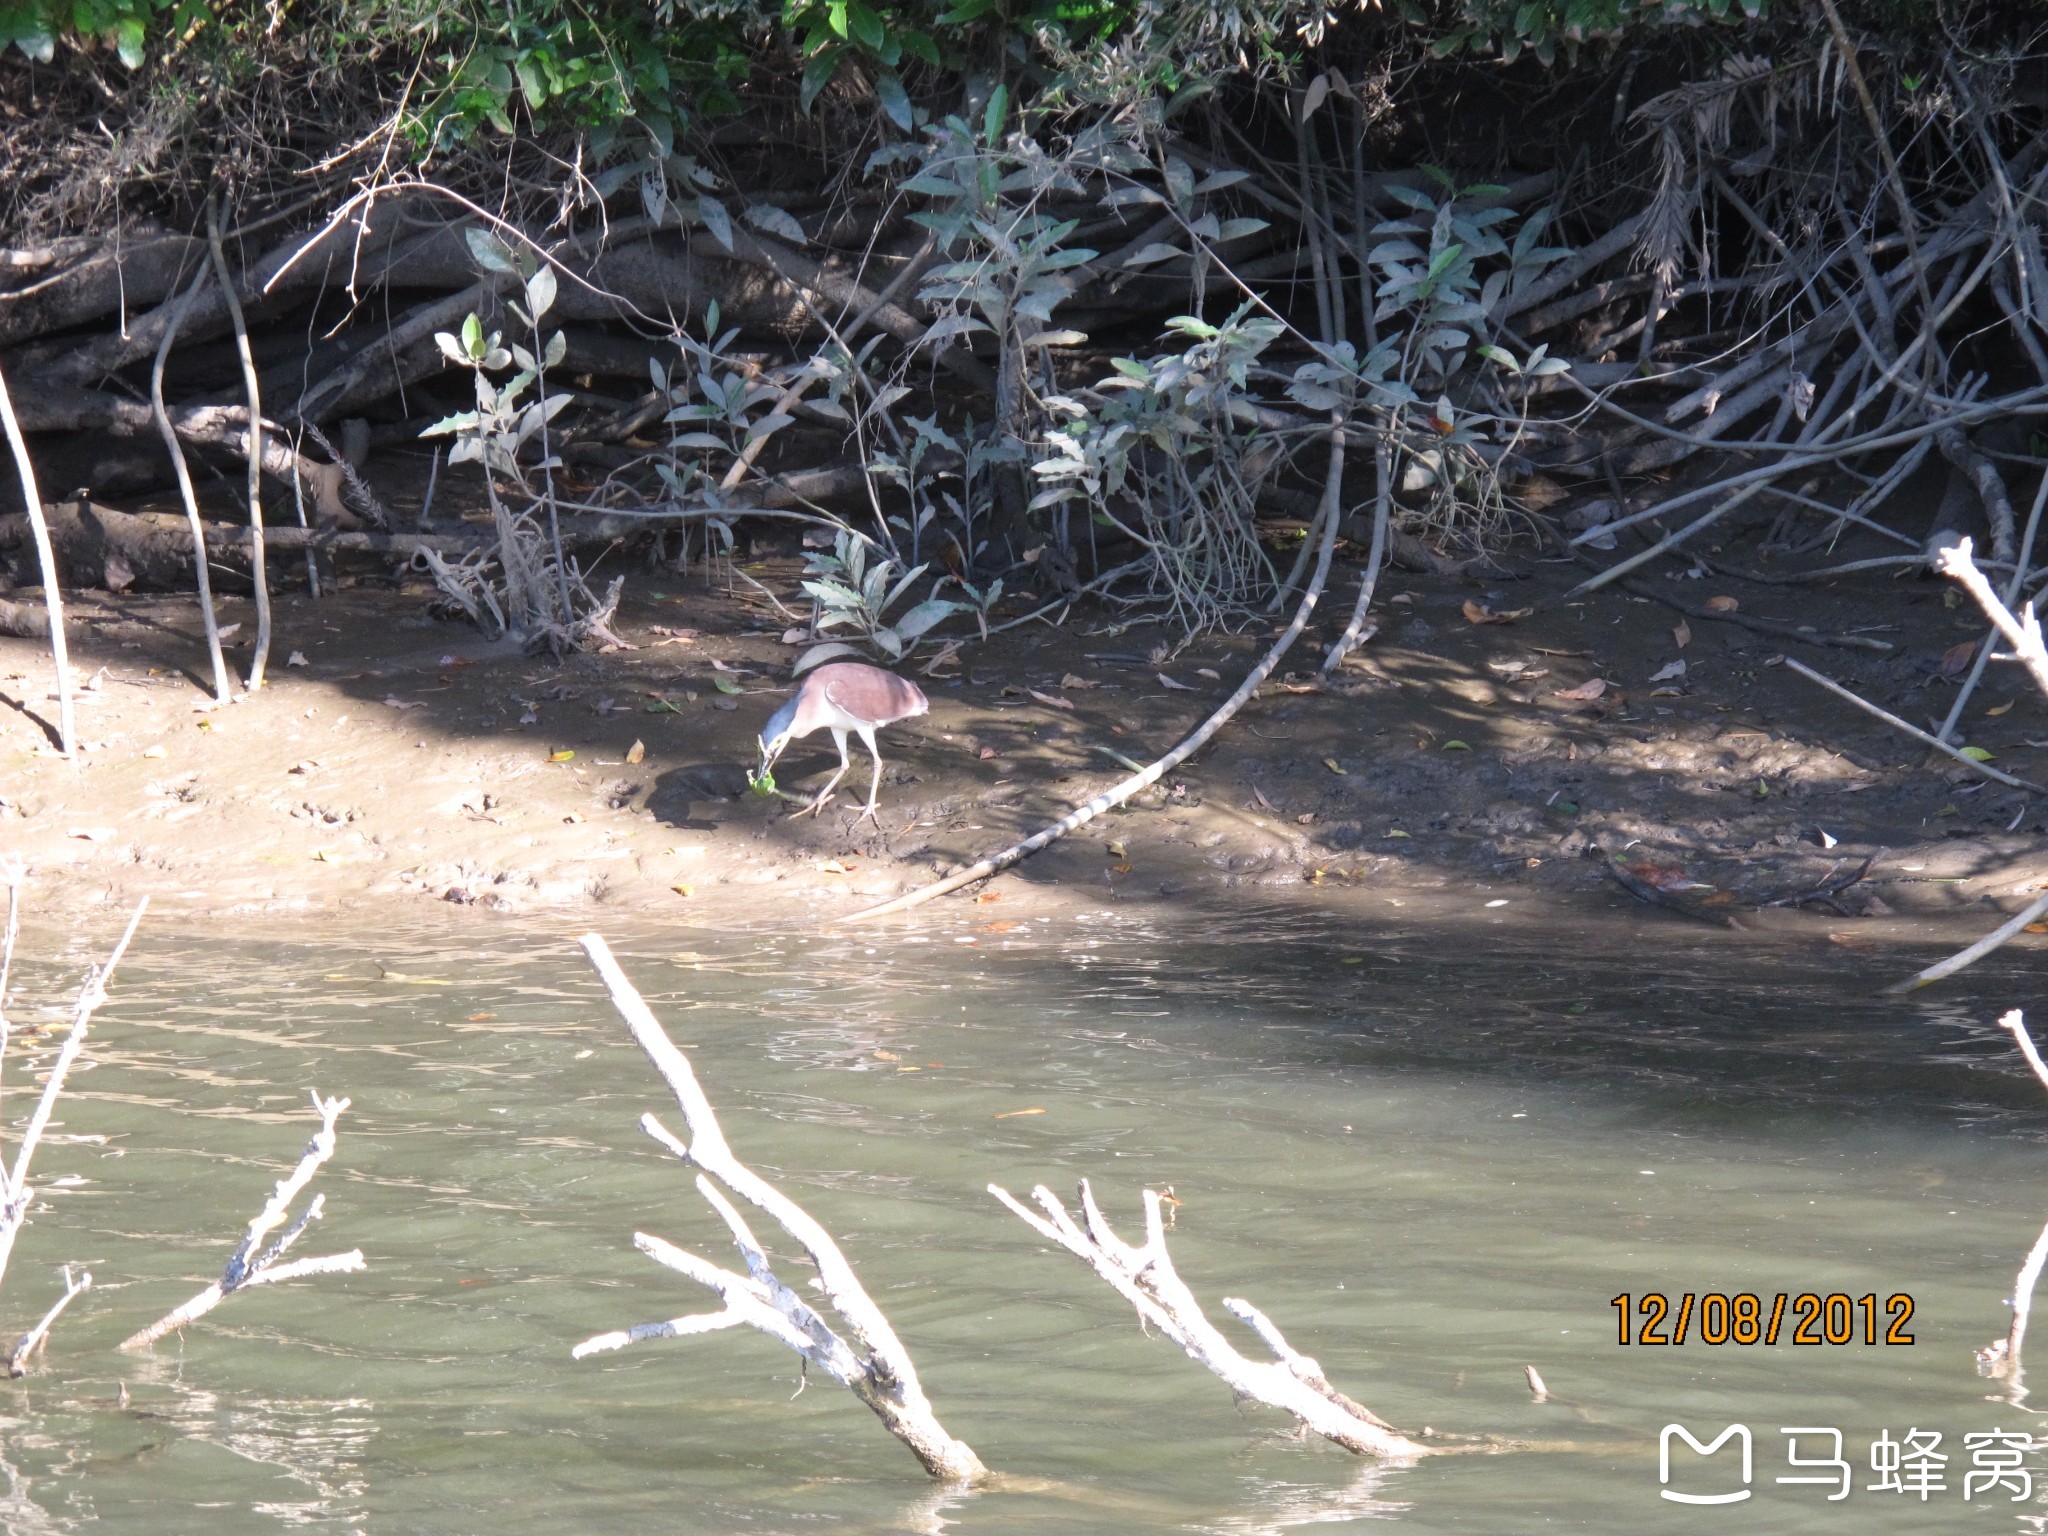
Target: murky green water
(1431, 1159)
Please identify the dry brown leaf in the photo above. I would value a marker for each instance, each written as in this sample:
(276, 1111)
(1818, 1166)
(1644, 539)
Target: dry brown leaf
(1722, 604)
(1538, 492)
(1170, 683)
(834, 867)
(1050, 698)
(637, 753)
(1681, 635)
(2035, 928)
(1259, 795)
(986, 897)
(1592, 688)
(1478, 613)
(1083, 683)
(1999, 709)
(1955, 661)
(986, 753)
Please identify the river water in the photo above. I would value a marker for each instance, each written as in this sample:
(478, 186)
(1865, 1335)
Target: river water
(1433, 1157)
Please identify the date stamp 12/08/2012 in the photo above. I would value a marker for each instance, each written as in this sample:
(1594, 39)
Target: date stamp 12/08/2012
(1745, 1317)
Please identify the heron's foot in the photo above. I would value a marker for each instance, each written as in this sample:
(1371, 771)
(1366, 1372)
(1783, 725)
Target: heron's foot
(870, 814)
(812, 809)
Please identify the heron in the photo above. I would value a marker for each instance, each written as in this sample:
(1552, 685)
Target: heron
(842, 697)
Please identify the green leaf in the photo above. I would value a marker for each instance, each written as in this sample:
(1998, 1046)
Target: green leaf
(894, 100)
(725, 684)
(1975, 754)
(992, 118)
(488, 251)
(866, 25)
(817, 75)
(128, 41)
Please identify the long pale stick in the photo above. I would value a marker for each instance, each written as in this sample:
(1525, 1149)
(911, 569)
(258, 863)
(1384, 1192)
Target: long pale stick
(46, 557)
(1117, 794)
(223, 685)
(257, 571)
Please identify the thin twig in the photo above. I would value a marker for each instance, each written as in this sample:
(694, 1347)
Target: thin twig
(257, 570)
(223, 684)
(46, 557)
(1977, 951)
(1912, 730)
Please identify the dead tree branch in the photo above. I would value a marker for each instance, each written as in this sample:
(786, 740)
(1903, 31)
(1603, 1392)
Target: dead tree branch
(880, 1372)
(1145, 1277)
(247, 1267)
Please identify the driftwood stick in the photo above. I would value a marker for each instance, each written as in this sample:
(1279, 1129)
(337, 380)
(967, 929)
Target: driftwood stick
(258, 574)
(15, 1195)
(2013, 588)
(223, 684)
(1912, 730)
(1977, 951)
(30, 1342)
(246, 1267)
(2002, 1358)
(885, 1380)
(2022, 631)
(53, 596)
(1117, 794)
(1145, 1277)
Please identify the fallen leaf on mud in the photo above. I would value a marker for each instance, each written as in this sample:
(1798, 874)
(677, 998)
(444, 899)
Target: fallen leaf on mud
(1666, 877)
(1259, 795)
(1050, 698)
(206, 725)
(986, 753)
(984, 899)
(1119, 869)
(297, 659)
(1209, 672)
(1114, 849)
(92, 834)
(637, 753)
(1456, 746)
(1395, 832)
(229, 631)
(1850, 941)
(2000, 709)
(1955, 661)
(2035, 928)
(1975, 754)
(834, 867)
(1305, 819)
(1011, 1114)
(1722, 604)
(795, 636)
(726, 685)
(1335, 767)
(1667, 672)
(719, 666)
(157, 751)
(1479, 613)
(1071, 681)
(682, 890)
(1681, 635)
(560, 757)
(1538, 492)
(1592, 688)
(392, 701)
(1170, 683)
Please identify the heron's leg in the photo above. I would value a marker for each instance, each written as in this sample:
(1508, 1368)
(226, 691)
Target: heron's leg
(875, 780)
(845, 762)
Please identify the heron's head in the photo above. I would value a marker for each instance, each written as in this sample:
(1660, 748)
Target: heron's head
(776, 735)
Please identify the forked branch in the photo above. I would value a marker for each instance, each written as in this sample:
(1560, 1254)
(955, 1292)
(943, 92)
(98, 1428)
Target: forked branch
(1145, 1277)
(248, 1266)
(879, 1372)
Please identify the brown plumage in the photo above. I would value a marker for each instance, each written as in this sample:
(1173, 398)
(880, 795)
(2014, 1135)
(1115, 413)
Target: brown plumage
(842, 697)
